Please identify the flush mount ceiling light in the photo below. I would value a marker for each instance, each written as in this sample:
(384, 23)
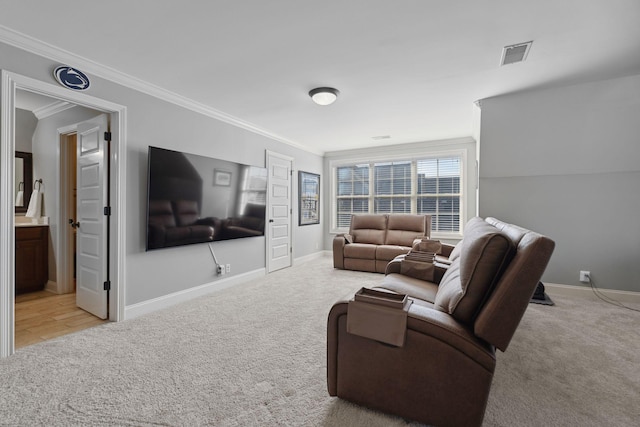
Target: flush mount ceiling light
(324, 95)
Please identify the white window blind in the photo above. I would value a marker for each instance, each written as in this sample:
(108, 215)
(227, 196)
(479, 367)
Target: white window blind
(392, 192)
(438, 192)
(352, 191)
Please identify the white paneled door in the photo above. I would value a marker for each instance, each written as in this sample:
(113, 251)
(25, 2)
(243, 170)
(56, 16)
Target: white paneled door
(279, 213)
(92, 221)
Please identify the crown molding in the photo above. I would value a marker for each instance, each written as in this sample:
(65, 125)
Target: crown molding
(51, 109)
(54, 53)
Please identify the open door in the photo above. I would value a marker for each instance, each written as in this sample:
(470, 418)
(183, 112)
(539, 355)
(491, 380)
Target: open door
(92, 216)
(279, 252)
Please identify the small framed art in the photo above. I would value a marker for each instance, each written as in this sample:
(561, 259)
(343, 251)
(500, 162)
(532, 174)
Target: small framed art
(308, 198)
(221, 177)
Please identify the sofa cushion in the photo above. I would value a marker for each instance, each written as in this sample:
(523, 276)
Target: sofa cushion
(368, 228)
(402, 229)
(359, 264)
(186, 211)
(415, 288)
(161, 213)
(360, 250)
(389, 252)
(470, 279)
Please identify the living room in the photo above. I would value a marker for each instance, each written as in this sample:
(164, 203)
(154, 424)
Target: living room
(556, 153)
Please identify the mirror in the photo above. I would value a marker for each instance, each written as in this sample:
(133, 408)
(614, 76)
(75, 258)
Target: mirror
(23, 182)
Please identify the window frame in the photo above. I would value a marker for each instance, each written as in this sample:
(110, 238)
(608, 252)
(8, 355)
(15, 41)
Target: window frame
(466, 191)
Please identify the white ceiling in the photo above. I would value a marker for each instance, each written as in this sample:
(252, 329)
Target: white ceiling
(410, 69)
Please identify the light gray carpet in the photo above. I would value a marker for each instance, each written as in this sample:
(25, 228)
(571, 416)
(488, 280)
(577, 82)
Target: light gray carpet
(254, 355)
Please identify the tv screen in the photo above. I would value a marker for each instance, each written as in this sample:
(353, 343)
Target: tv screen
(197, 199)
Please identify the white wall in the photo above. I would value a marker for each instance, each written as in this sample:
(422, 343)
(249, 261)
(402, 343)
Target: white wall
(151, 121)
(566, 162)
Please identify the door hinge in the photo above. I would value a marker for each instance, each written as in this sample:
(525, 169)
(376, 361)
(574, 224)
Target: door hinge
(107, 210)
(107, 285)
(291, 249)
(107, 136)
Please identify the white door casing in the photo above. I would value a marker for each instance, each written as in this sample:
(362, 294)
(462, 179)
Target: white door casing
(279, 212)
(92, 238)
(9, 83)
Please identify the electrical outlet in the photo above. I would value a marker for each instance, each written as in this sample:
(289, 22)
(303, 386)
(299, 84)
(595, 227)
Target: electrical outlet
(585, 276)
(220, 270)
(228, 268)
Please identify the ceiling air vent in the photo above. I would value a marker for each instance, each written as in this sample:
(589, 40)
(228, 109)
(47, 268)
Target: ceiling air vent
(515, 53)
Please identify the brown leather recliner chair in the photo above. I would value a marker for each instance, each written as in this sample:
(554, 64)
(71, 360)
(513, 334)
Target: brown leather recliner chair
(442, 374)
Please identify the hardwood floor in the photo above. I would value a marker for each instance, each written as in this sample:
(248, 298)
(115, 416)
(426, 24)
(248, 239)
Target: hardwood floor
(43, 315)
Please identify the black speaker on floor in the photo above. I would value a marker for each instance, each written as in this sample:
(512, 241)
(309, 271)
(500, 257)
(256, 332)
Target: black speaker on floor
(540, 297)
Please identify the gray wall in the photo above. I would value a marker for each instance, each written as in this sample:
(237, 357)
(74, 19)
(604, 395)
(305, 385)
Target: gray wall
(25, 126)
(151, 121)
(566, 162)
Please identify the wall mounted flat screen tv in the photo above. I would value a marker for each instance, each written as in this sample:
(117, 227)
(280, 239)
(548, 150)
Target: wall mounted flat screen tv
(197, 199)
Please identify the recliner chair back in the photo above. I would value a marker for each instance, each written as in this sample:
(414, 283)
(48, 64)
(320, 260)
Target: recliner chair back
(501, 314)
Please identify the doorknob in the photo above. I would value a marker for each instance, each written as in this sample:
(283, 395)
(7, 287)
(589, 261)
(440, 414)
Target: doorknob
(270, 220)
(74, 224)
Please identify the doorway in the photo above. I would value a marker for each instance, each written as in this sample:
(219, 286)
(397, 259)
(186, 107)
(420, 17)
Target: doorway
(68, 209)
(61, 308)
(12, 82)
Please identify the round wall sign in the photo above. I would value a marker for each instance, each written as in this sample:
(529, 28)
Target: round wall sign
(71, 78)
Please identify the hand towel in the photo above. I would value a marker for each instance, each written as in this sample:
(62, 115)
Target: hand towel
(35, 205)
(20, 198)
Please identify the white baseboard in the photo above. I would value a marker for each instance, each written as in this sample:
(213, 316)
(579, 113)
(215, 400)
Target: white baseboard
(587, 292)
(51, 286)
(310, 257)
(145, 307)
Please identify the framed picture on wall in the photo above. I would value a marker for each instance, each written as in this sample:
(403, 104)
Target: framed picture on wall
(221, 177)
(308, 198)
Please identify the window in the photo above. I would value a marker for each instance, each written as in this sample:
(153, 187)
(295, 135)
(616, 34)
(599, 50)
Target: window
(424, 186)
(253, 187)
(353, 192)
(438, 192)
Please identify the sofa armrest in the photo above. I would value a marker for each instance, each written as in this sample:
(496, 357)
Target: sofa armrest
(156, 236)
(338, 251)
(446, 249)
(395, 266)
(431, 322)
(439, 352)
(444, 327)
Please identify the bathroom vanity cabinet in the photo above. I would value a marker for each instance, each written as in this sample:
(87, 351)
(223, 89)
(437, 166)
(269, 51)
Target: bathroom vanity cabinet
(32, 258)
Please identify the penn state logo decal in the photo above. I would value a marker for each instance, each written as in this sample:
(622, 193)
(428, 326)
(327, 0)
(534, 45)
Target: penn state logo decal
(71, 78)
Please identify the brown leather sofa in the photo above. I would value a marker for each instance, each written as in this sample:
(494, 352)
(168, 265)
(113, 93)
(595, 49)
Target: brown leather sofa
(443, 372)
(174, 223)
(375, 239)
